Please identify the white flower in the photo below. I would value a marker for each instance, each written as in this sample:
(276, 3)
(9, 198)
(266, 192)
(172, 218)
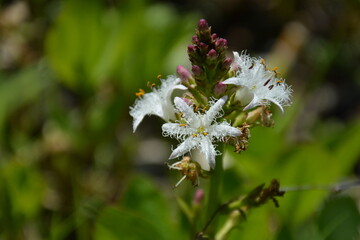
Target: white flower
(158, 102)
(261, 84)
(199, 131)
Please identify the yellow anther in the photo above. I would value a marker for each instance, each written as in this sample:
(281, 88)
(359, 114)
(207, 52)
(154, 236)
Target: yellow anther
(205, 133)
(140, 93)
(196, 108)
(194, 135)
(279, 81)
(183, 125)
(150, 85)
(181, 114)
(275, 68)
(159, 76)
(262, 61)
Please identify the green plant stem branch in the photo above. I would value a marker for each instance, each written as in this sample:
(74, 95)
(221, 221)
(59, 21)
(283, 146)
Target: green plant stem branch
(215, 188)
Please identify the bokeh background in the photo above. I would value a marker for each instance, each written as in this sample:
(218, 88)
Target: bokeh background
(71, 167)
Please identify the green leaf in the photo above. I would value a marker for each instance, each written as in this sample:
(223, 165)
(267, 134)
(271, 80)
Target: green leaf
(115, 223)
(339, 219)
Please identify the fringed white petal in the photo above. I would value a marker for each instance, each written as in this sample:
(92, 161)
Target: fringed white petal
(221, 130)
(157, 102)
(174, 130)
(184, 147)
(208, 149)
(233, 80)
(214, 111)
(188, 112)
(148, 105)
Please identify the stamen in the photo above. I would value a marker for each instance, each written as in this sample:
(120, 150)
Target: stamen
(150, 85)
(252, 65)
(205, 133)
(140, 93)
(275, 68)
(262, 61)
(177, 184)
(159, 76)
(266, 83)
(271, 86)
(183, 125)
(279, 82)
(194, 135)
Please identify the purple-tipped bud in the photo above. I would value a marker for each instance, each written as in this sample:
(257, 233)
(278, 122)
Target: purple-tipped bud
(227, 62)
(219, 88)
(191, 49)
(203, 46)
(195, 40)
(212, 54)
(196, 70)
(203, 25)
(214, 36)
(221, 42)
(187, 101)
(198, 197)
(184, 74)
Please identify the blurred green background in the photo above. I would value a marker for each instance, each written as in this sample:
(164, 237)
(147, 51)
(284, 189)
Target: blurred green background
(70, 166)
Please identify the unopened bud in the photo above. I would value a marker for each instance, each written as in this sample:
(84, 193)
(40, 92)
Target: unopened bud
(203, 25)
(219, 89)
(198, 197)
(195, 39)
(187, 101)
(227, 62)
(221, 42)
(203, 47)
(184, 74)
(196, 70)
(191, 49)
(214, 36)
(212, 54)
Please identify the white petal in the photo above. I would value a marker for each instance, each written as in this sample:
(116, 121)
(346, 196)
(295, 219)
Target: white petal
(174, 130)
(184, 147)
(233, 80)
(207, 148)
(188, 112)
(214, 110)
(254, 103)
(219, 131)
(149, 104)
(279, 105)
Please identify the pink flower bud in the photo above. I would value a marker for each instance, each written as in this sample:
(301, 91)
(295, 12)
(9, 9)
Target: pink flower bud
(203, 25)
(219, 88)
(184, 74)
(227, 62)
(187, 101)
(214, 36)
(198, 196)
(221, 42)
(195, 39)
(191, 49)
(203, 46)
(212, 54)
(196, 70)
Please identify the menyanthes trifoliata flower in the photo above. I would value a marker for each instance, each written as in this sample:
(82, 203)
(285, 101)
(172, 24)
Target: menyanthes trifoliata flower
(258, 83)
(199, 131)
(158, 102)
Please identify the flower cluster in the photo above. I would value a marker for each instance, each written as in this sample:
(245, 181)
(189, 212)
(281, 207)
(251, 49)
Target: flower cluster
(219, 101)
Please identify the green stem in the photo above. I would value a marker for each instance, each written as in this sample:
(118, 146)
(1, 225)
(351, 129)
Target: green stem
(214, 200)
